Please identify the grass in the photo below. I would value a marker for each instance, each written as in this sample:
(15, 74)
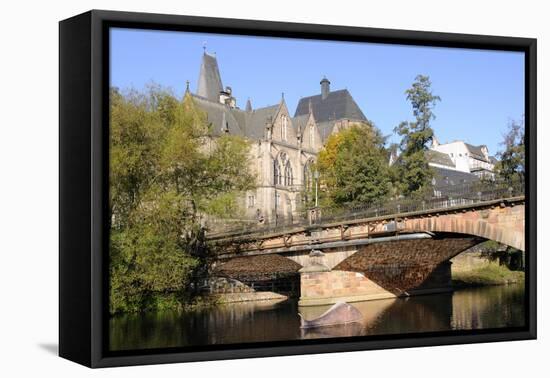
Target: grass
(492, 274)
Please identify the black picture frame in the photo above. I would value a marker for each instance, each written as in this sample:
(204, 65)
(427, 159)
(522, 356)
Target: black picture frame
(83, 181)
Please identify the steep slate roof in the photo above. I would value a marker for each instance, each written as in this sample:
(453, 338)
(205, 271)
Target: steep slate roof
(299, 123)
(338, 104)
(440, 158)
(475, 151)
(325, 129)
(250, 124)
(217, 114)
(210, 82)
(448, 177)
(255, 121)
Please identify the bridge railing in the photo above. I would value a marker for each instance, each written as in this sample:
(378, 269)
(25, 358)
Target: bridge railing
(443, 197)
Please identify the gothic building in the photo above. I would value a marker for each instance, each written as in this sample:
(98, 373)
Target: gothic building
(283, 145)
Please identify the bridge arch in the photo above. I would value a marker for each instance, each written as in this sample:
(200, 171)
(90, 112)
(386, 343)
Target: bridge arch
(504, 225)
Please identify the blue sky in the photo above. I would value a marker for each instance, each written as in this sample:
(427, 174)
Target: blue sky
(480, 90)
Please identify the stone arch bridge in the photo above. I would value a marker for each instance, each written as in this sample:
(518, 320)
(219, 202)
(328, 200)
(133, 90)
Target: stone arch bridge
(372, 257)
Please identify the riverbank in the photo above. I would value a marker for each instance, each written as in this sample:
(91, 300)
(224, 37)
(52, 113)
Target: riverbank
(487, 275)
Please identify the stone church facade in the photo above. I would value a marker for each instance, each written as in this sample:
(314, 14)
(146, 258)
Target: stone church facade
(283, 145)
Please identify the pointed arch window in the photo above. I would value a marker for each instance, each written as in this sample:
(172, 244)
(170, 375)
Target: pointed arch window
(284, 127)
(288, 178)
(277, 176)
(311, 136)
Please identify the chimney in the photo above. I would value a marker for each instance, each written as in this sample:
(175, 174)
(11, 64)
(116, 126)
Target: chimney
(325, 88)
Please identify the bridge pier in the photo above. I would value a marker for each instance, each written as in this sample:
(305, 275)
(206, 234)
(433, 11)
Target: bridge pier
(320, 285)
(397, 268)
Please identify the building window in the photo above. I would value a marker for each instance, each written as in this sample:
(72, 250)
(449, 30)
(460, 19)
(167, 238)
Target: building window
(288, 174)
(311, 136)
(284, 126)
(251, 201)
(277, 178)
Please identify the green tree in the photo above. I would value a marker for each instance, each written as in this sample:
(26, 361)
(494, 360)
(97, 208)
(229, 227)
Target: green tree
(166, 176)
(413, 172)
(511, 165)
(353, 167)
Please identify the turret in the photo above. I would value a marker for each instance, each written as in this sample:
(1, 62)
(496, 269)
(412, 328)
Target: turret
(325, 88)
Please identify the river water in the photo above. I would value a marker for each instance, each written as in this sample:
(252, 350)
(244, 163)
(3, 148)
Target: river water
(465, 309)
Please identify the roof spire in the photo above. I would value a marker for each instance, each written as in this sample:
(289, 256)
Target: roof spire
(186, 86)
(248, 105)
(210, 82)
(204, 47)
(310, 107)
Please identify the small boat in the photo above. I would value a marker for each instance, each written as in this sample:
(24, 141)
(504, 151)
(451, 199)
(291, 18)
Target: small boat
(339, 313)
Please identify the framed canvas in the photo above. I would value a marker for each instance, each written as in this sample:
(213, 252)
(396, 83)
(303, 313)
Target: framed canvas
(350, 189)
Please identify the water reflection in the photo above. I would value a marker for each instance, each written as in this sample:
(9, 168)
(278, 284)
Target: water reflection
(488, 307)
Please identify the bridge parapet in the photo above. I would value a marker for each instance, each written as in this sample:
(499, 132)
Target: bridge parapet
(501, 220)
(471, 194)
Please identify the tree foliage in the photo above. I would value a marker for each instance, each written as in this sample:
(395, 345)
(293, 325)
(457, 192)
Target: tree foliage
(353, 167)
(413, 172)
(511, 165)
(166, 176)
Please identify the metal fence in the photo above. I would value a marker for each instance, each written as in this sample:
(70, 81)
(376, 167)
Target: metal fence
(441, 198)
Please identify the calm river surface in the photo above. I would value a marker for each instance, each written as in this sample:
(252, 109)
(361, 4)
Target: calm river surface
(474, 308)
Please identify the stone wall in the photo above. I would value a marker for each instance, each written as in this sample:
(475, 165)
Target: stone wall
(318, 288)
(468, 261)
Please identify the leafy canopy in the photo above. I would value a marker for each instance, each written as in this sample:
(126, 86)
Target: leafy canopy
(353, 167)
(166, 176)
(413, 172)
(511, 165)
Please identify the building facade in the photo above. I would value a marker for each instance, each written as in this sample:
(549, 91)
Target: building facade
(283, 145)
(459, 163)
(467, 158)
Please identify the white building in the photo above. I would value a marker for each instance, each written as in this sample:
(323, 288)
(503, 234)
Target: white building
(464, 157)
